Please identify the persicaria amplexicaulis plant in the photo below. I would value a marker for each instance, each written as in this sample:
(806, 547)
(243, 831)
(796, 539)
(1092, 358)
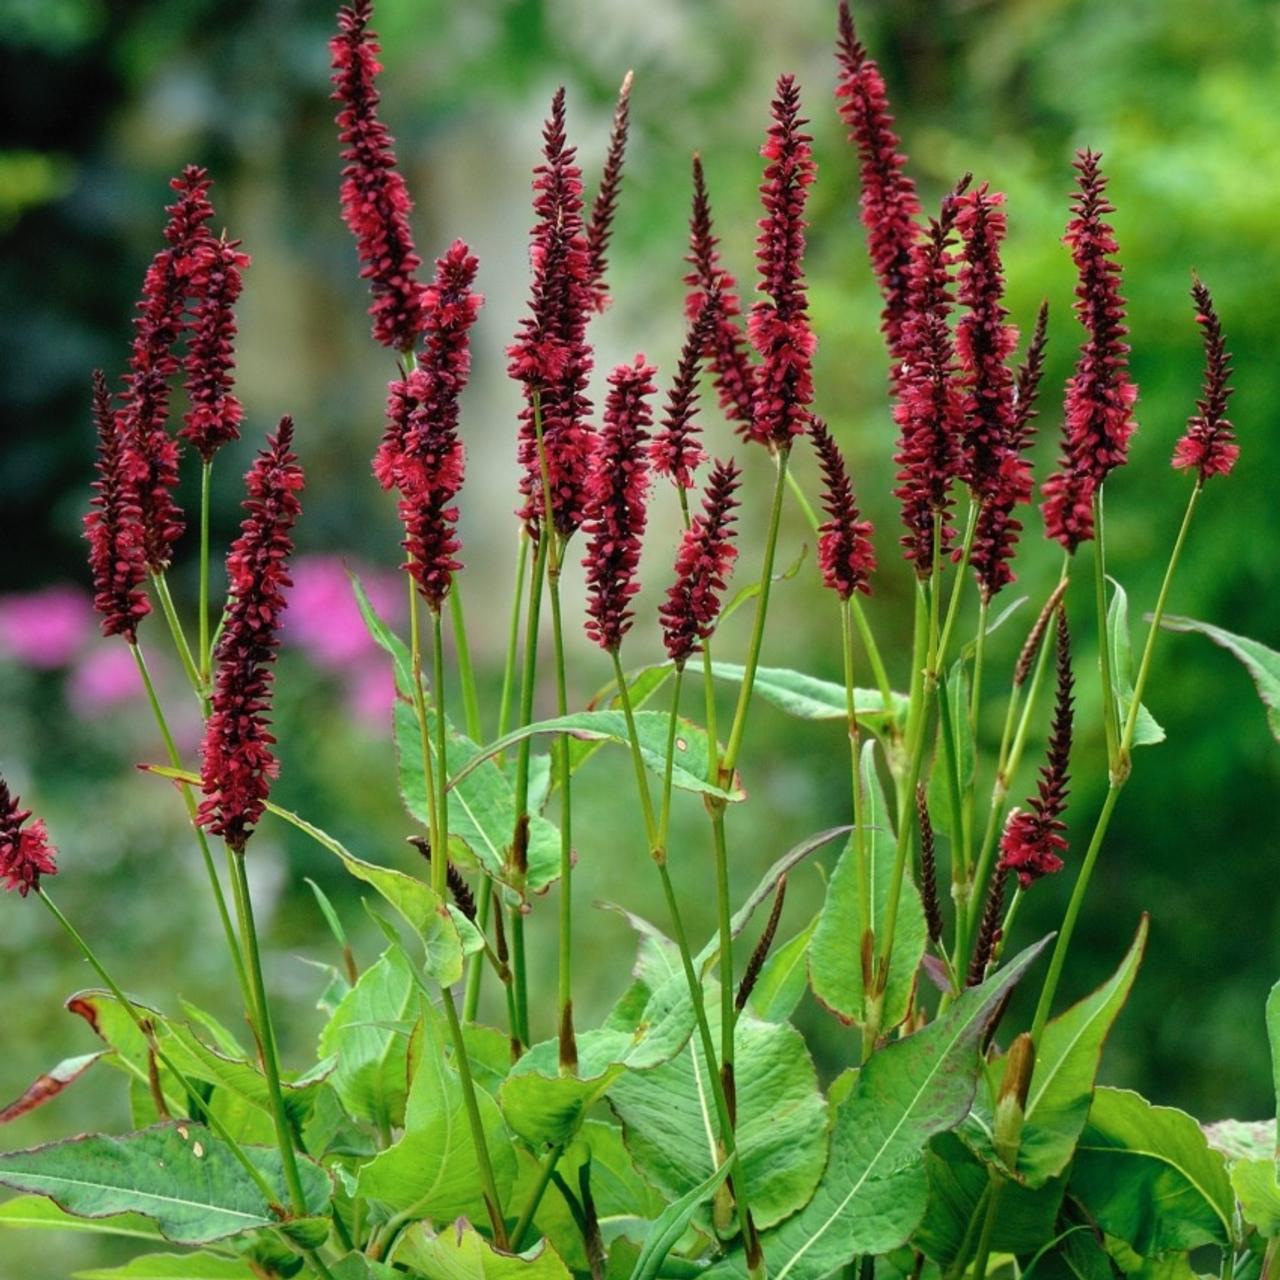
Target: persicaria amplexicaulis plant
(461, 1122)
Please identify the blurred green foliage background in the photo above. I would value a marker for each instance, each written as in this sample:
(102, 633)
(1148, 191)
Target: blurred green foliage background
(103, 100)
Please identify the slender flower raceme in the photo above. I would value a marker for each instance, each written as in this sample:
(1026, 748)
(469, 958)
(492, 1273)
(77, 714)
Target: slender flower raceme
(117, 554)
(25, 851)
(550, 355)
(375, 198)
(215, 414)
(928, 866)
(845, 553)
(930, 404)
(1098, 412)
(889, 204)
(703, 564)
(1208, 444)
(237, 763)
(676, 450)
(150, 453)
(1026, 384)
(605, 205)
(779, 323)
(712, 284)
(1033, 841)
(618, 490)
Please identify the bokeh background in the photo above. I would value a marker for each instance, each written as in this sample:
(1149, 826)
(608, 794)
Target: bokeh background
(101, 101)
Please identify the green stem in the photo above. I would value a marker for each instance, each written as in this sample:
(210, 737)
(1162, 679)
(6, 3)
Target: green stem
(475, 967)
(988, 1228)
(466, 672)
(513, 637)
(637, 760)
(664, 813)
(1104, 639)
(762, 608)
(179, 636)
(260, 1014)
(206, 473)
(440, 839)
(525, 1221)
(951, 765)
(859, 828)
(957, 591)
(424, 734)
(202, 840)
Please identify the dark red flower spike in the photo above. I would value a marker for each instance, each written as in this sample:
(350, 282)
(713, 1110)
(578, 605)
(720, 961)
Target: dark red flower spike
(845, 554)
(676, 450)
(605, 205)
(25, 851)
(1208, 444)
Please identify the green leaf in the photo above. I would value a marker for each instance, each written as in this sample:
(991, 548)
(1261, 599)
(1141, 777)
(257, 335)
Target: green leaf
(179, 1175)
(1062, 1082)
(783, 979)
(1242, 1139)
(1255, 1186)
(433, 1170)
(1263, 664)
(48, 1085)
(956, 754)
(642, 685)
(750, 590)
(355, 1266)
(1146, 731)
(174, 1266)
(809, 698)
(369, 1033)
(835, 965)
(460, 1253)
(1073, 1255)
(672, 1223)
(330, 914)
(1147, 1174)
(873, 1193)
(37, 1213)
(669, 1119)
(957, 1183)
(691, 761)
(1273, 1039)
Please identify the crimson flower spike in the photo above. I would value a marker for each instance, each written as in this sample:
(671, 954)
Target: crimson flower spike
(375, 199)
(429, 462)
(778, 325)
(150, 454)
(703, 564)
(550, 355)
(215, 414)
(889, 205)
(930, 406)
(1033, 842)
(676, 450)
(1098, 411)
(618, 490)
(600, 226)
(711, 283)
(1027, 382)
(845, 553)
(117, 554)
(237, 763)
(1208, 444)
(25, 851)
(999, 476)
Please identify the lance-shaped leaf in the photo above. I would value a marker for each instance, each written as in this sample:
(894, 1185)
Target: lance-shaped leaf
(174, 1266)
(1062, 1084)
(1147, 1174)
(1256, 1187)
(1262, 664)
(670, 1126)
(1146, 731)
(809, 698)
(179, 1175)
(433, 1171)
(874, 1190)
(672, 1223)
(46, 1086)
(835, 965)
(35, 1213)
(461, 1253)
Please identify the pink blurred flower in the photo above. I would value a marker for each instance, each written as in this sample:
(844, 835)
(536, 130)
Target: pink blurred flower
(45, 629)
(371, 694)
(103, 679)
(324, 620)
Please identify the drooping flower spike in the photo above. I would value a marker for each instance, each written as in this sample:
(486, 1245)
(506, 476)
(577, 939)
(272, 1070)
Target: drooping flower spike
(550, 355)
(25, 851)
(605, 205)
(778, 325)
(928, 867)
(709, 281)
(845, 554)
(421, 454)
(888, 203)
(150, 453)
(237, 763)
(1208, 444)
(989, 929)
(215, 414)
(375, 199)
(676, 450)
(1098, 412)
(1033, 841)
(618, 490)
(930, 406)
(703, 564)
(117, 555)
